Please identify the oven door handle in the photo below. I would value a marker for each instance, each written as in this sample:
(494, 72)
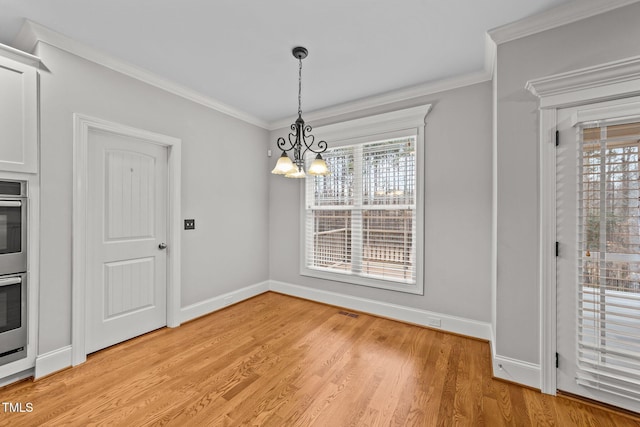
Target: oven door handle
(10, 203)
(10, 281)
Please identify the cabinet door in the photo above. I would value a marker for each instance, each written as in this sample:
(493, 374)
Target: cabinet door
(18, 117)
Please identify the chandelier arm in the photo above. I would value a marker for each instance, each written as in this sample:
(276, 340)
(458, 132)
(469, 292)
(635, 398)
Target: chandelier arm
(321, 145)
(311, 139)
(282, 144)
(293, 142)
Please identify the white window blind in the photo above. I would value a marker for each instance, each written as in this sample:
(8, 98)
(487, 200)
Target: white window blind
(360, 220)
(609, 258)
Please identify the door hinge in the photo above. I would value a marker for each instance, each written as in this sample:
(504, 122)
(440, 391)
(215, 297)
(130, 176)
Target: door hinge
(557, 248)
(557, 362)
(557, 138)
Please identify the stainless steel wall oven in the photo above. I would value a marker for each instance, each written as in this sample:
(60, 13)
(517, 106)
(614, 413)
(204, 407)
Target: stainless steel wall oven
(13, 230)
(13, 267)
(13, 317)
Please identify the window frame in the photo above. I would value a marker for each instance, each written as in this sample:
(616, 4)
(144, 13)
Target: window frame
(395, 124)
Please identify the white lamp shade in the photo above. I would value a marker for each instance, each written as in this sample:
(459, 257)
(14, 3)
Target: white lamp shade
(295, 173)
(284, 165)
(318, 167)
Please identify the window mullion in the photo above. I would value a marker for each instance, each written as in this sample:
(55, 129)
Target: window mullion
(603, 238)
(356, 215)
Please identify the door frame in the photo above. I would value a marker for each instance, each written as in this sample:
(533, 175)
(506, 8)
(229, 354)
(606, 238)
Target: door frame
(82, 125)
(608, 81)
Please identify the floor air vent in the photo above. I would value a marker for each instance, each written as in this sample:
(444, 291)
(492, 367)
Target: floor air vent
(346, 313)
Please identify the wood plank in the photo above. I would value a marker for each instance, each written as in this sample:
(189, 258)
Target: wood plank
(275, 360)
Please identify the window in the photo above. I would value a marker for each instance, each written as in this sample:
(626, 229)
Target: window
(363, 222)
(609, 258)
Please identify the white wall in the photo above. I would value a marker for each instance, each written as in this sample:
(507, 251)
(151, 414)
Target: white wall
(458, 211)
(223, 183)
(596, 40)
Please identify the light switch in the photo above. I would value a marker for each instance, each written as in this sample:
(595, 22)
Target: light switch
(189, 224)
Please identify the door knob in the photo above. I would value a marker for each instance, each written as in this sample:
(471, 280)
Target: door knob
(162, 246)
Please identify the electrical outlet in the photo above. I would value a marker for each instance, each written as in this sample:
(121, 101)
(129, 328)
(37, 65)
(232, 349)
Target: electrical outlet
(433, 321)
(189, 224)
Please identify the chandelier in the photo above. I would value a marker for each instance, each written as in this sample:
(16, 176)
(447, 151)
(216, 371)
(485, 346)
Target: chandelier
(300, 140)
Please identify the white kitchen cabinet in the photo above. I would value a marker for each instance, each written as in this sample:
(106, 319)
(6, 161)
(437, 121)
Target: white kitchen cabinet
(18, 112)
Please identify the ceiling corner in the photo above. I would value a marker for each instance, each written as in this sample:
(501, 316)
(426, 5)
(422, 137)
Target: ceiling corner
(553, 18)
(26, 38)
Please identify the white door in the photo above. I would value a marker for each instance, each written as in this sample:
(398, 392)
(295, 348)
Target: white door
(598, 264)
(126, 232)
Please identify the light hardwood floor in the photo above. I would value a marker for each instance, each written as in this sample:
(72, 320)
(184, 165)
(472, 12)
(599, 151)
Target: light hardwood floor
(274, 360)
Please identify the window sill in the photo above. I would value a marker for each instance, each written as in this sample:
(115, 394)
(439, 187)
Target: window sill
(354, 279)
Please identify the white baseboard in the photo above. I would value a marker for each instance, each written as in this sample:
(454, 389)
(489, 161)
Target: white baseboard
(516, 371)
(59, 359)
(214, 304)
(506, 368)
(458, 325)
(53, 361)
(503, 367)
(16, 377)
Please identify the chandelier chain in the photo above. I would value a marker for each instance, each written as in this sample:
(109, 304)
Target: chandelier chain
(300, 88)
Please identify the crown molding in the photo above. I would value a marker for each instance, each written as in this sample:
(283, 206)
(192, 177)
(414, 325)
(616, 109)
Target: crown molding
(379, 100)
(490, 55)
(407, 118)
(20, 56)
(32, 33)
(553, 18)
(602, 81)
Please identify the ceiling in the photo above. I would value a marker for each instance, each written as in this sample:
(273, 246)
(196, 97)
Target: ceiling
(238, 52)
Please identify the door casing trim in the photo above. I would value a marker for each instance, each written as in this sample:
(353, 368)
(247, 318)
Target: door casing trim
(608, 81)
(82, 125)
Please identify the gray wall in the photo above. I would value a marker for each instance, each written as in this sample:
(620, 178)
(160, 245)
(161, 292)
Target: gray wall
(223, 186)
(458, 210)
(611, 36)
(239, 212)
